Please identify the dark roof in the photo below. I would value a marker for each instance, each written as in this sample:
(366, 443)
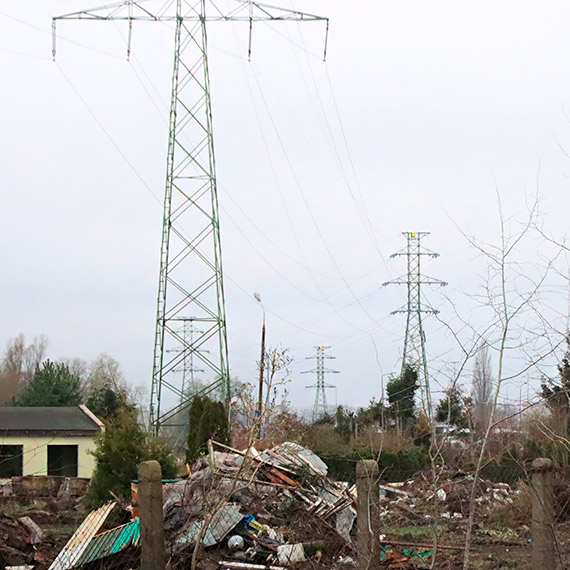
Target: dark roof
(77, 420)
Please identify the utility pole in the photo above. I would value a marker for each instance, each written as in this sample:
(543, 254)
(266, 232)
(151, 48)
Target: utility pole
(257, 297)
(414, 354)
(190, 275)
(320, 408)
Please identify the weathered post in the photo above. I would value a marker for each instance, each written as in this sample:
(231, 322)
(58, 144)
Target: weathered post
(151, 517)
(368, 515)
(542, 531)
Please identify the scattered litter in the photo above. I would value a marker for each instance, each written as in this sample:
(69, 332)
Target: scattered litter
(36, 533)
(223, 521)
(290, 553)
(274, 509)
(236, 542)
(245, 565)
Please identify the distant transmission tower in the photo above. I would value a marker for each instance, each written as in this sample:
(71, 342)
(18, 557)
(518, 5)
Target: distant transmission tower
(190, 277)
(414, 354)
(188, 369)
(320, 408)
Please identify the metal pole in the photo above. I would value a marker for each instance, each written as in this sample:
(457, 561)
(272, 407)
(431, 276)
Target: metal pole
(257, 297)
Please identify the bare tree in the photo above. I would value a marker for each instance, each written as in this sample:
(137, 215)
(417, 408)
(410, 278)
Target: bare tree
(19, 364)
(105, 372)
(482, 386)
(521, 334)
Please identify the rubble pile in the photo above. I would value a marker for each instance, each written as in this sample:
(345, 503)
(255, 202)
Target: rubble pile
(273, 509)
(248, 509)
(23, 543)
(420, 499)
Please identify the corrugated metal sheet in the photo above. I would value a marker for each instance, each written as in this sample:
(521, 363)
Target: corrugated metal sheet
(227, 518)
(111, 542)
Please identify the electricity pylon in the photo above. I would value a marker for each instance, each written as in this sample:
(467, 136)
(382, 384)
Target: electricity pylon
(190, 276)
(414, 354)
(320, 408)
(188, 370)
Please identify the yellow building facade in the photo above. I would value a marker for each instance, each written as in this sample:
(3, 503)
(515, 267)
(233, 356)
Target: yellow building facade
(47, 441)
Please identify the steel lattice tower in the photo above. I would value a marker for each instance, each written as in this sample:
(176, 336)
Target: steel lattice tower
(414, 354)
(320, 408)
(188, 370)
(190, 275)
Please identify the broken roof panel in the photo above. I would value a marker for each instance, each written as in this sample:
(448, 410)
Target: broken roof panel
(79, 542)
(293, 454)
(111, 542)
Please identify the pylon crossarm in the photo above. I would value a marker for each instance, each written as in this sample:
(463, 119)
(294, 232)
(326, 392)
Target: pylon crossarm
(125, 11)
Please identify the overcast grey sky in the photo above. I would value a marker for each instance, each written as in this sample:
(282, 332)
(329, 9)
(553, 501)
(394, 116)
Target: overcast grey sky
(438, 103)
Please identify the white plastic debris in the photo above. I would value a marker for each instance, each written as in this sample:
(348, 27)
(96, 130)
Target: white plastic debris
(236, 542)
(290, 553)
(441, 494)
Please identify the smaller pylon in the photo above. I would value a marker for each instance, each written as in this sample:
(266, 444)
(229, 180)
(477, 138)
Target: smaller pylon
(320, 408)
(188, 370)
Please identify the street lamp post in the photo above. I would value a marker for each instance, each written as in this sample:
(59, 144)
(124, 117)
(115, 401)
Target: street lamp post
(257, 297)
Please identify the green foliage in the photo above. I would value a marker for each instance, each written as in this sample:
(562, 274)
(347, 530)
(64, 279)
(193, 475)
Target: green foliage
(508, 467)
(394, 466)
(401, 392)
(326, 420)
(344, 421)
(372, 415)
(119, 450)
(403, 465)
(106, 402)
(556, 394)
(207, 420)
(53, 384)
(515, 462)
(325, 441)
(159, 450)
(450, 408)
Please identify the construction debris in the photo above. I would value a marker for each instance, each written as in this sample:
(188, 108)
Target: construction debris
(276, 509)
(272, 505)
(73, 551)
(19, 542)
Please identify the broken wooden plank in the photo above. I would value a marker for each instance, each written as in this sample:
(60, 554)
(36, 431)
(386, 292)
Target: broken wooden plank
(248, 566)
(79, 542)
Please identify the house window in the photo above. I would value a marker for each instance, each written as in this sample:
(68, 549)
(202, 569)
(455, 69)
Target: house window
(62, 460)
(11, 460)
